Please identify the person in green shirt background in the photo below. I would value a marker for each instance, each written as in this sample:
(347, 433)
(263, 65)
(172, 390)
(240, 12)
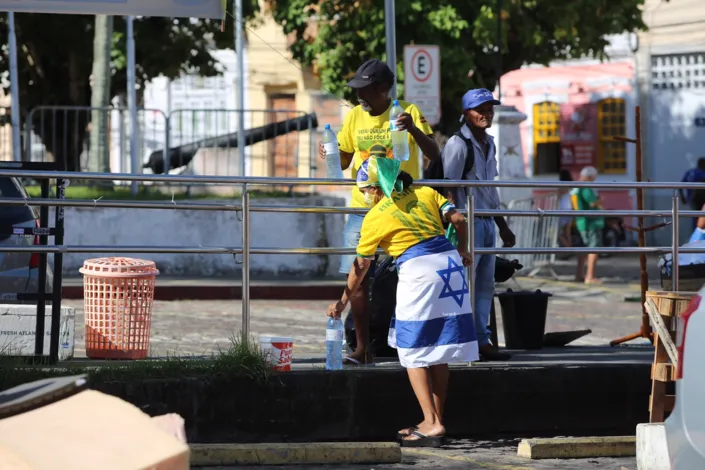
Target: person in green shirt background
(590, 228)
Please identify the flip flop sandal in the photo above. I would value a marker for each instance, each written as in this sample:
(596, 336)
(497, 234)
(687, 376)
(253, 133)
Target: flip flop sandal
(349, 361)
(422, 441)
(410, 429)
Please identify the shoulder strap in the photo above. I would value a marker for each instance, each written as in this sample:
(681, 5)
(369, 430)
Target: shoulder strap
(470, 157)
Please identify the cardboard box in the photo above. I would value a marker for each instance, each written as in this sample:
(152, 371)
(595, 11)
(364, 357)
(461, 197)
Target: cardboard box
(18, 325)
(89, 431)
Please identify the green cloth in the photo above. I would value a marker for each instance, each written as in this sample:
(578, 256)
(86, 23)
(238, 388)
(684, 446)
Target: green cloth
(452, 235)
(586, 199)
(381, 172)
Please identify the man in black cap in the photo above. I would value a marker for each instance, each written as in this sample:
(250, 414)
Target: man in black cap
(365, 133)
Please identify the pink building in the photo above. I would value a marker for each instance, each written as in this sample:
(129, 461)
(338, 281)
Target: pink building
(573, 112)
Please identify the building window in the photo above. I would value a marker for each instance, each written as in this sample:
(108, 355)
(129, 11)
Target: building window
(547, 137)
(611, 122)
(678, 71)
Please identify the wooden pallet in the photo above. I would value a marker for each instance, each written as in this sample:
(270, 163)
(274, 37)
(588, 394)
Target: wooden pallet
(669, 305)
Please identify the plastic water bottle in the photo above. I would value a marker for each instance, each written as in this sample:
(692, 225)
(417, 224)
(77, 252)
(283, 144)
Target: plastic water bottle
(400, 139)
(334, 344)
(330, 144)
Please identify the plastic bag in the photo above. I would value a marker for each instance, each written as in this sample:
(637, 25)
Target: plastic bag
(684, 259)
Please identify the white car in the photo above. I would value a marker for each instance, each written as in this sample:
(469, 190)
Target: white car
(685, 427)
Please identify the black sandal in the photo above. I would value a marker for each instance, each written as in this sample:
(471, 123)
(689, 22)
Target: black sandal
(411, 429)
(422, 441)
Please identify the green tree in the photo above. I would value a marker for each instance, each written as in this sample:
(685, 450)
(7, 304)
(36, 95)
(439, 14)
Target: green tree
(55, 61)
(348, 32)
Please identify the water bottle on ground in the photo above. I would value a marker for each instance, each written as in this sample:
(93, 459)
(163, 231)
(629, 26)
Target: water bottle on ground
(335, 332)
(330, 144)
(400, 139)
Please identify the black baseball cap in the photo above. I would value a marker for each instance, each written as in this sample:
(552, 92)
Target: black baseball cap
(371, 72)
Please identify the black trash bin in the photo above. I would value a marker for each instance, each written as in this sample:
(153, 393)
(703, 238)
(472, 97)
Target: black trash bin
(524, 318)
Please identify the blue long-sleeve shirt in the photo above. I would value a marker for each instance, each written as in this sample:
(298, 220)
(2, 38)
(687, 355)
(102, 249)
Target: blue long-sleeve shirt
(694, 175)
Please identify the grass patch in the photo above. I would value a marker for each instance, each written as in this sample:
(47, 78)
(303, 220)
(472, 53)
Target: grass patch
(243, 358)
(123, 193)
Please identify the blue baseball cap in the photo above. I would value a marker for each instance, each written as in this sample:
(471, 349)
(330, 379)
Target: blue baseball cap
(474, 98)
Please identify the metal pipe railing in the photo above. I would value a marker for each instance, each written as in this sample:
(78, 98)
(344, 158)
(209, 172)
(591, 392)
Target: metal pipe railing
(246, 208)
(199, 206)
(5, 170)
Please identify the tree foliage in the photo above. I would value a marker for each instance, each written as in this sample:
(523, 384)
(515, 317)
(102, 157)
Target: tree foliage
(56, 57)
(348, 32)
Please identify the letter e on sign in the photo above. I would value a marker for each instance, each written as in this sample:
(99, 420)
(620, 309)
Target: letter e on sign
(422, 80)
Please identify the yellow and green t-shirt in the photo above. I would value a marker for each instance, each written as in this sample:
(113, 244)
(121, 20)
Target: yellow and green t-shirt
(396, 224)
(365, 136)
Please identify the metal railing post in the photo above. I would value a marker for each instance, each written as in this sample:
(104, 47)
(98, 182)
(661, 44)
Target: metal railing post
(245, 262)
(167, 143)
(470, 202)
(674, 243)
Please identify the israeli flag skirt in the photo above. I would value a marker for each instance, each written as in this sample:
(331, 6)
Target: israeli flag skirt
(433, 321)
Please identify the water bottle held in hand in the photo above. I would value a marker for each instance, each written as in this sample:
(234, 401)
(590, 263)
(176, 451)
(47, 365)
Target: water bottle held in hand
(400, 139)
(335, 333)
(330, 144)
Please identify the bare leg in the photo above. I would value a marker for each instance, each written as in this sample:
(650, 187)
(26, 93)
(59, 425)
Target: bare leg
(591, 263)
(358, 306)
(439, 386)
(431, 424)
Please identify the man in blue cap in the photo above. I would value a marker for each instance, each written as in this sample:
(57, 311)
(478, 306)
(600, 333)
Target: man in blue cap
(478, 114)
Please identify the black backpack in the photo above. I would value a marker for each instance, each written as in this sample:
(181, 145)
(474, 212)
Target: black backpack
(435, 168)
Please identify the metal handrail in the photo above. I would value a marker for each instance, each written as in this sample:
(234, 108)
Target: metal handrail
(246, 208)
(5, 170)
(199, 206)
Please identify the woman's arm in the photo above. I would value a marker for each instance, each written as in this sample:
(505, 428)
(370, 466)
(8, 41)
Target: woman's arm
(357, 274)
(461, 227)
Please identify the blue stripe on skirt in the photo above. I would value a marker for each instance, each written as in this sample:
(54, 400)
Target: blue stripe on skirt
(435, 245)
(437, 332)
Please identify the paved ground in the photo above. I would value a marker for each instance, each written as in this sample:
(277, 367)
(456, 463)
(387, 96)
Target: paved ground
(199, 327)
(474, 455)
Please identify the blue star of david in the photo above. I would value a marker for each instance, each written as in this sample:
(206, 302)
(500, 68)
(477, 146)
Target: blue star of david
(448, 291)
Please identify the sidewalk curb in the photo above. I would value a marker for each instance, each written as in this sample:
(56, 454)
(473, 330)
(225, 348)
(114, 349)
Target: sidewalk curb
(577, 447)
(292, 454)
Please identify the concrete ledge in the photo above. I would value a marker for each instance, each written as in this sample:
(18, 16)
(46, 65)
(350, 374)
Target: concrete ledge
(292, 454)
(652, 447)
(577, 447)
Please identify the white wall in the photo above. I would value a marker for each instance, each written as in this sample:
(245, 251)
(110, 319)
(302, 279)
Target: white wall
(154, 227)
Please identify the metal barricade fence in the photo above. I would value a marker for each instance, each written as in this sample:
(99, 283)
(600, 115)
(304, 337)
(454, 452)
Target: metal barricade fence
(245, 208)
(206, 141)
(279, 142)
(92, 139)
(535, 232)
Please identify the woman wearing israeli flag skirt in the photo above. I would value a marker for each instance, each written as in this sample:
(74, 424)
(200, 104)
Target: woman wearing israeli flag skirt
(433, 324)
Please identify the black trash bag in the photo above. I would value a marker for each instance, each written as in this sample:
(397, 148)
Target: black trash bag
(382, 302)
(505, 269)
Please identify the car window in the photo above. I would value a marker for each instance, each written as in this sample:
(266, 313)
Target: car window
(11, 187)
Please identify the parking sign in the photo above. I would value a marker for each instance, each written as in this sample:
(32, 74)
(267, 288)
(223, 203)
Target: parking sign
(422, 80)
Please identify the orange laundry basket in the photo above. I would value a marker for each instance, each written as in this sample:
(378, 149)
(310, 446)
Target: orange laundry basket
(118, 295)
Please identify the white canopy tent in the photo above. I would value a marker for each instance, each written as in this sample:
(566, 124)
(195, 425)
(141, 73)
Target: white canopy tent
(214, 9)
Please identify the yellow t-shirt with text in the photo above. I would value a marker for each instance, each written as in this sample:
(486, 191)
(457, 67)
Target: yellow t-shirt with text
(366, 136)
(397, 224)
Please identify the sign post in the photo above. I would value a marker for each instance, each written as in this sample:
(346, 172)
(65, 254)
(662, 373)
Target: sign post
(422, 80)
